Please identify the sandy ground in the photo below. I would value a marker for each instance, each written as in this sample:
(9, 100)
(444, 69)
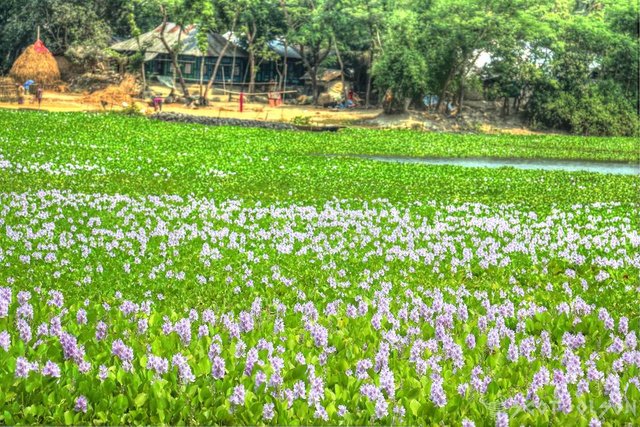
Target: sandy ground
(65, 102)
(372, 118)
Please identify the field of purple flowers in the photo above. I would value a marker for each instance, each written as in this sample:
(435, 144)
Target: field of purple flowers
(125, 299)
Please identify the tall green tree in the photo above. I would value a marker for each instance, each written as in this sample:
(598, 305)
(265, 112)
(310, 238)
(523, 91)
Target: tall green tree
(401, 69)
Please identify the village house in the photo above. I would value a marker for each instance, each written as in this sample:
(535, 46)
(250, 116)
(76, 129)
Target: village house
(233, 67)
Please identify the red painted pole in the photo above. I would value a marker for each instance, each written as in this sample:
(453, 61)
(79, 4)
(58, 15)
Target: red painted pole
(241, 101)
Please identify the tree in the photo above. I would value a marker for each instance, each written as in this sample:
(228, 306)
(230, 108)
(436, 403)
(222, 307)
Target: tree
(456, 32)
(173, 51)
(401, 70)
(135, 32)
(260, 21)
(306, 21)
(63, 23)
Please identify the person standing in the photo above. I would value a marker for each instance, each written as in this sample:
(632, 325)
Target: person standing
(39, 94)
(157, 103)
(20, 94)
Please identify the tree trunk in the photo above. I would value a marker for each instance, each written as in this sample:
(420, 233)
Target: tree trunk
(284, 71)
(443, 92)
(212, 79)
(233, 68)
(339, 58)
(367, 98)
(252, 72)
(252, 57)
(143, 73)
(460, 97)
(314, 85)
(203, 59)
(172, 52)
(144, 76)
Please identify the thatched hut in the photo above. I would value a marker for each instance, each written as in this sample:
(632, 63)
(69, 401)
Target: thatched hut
(36, 63)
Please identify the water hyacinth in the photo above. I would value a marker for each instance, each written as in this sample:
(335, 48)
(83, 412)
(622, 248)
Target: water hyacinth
(129, 290)
(51, 369)
(81, 404)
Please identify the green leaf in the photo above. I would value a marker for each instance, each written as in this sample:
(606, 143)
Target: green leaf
(414, 405)
(68, 418)
(140, 399)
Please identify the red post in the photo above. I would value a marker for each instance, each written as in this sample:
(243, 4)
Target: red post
(241, 101)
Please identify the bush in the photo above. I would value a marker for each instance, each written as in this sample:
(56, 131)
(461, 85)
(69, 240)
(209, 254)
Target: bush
(599, 109)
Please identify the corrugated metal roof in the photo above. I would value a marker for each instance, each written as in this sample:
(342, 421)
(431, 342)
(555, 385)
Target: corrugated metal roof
(188, 40)
(278, 47)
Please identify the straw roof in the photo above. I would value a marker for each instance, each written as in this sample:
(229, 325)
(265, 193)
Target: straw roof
(36, 63)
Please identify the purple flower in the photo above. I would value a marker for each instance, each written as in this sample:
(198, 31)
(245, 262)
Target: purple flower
(252, 358)
(261, 378)
(81, 317)
(56, 298)
(203, 331)
(299, 390)
(438, 396)
(5, 340)
(157, 364)
(101, 331)
(267, 411)
(381, 408)
(218, 368)
(342, 410)
(563, 398)
(321, 413)
(184, 370)
(51, 369)
(81, 404)
(502, 419)
(320, 335)
(209, 317)
(24, 329)
(471, 341)
(468, 423)
(237, 397)
(23, 367)
(513, 353)
(103, 372)
(124, 353)
(545, 348)
(23, 297)
(387, 382)
(246, 321)
(612, 389)
(70, 348)
(479, 384)
(183, 329)
(595, 423)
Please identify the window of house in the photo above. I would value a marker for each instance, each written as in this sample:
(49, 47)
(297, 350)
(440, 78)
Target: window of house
(187, 68)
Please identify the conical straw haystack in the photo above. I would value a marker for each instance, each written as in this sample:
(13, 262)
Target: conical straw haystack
(36, 63)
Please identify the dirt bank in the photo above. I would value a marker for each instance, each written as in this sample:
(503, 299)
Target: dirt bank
(472, 122)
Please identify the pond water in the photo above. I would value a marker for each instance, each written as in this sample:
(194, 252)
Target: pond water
(617, 168)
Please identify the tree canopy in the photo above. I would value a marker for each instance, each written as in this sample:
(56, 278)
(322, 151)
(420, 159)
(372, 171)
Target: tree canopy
(568, 64)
